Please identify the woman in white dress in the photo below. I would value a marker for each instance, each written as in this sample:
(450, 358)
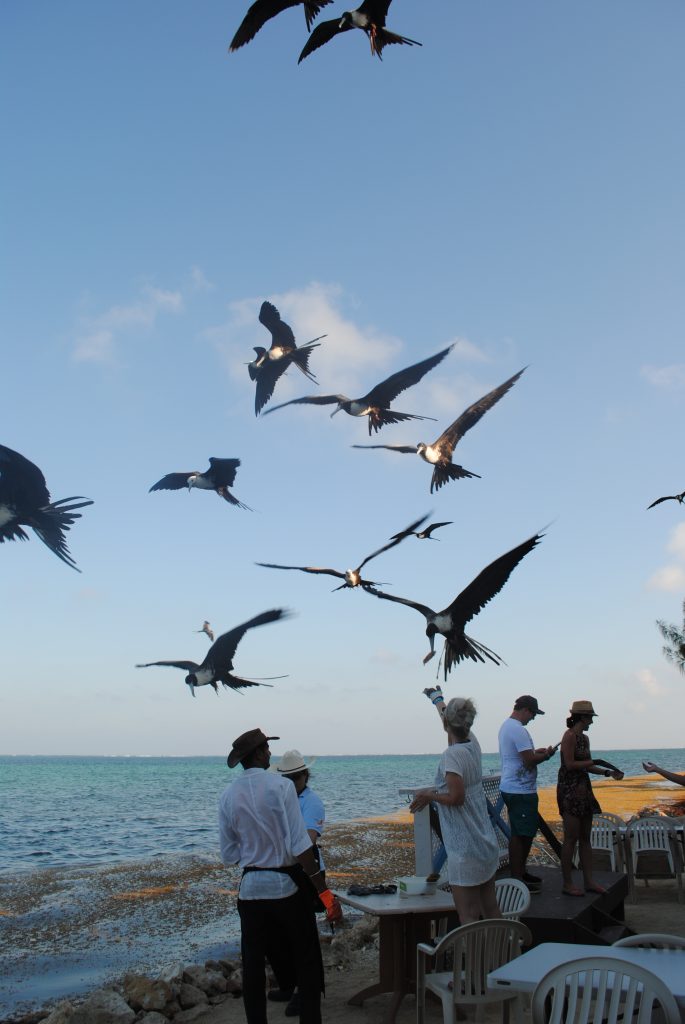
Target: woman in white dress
(468, 835)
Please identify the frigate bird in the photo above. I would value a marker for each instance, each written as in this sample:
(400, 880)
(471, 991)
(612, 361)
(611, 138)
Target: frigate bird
(25, 501)
(351, 577)
(424, 534)
(206, 628)
(680, 498)
(451, 621)
(271, 363)
(369, 17)
(216, 668)
(439, 454)
(219, 477)
(376, 403)
(263, 10)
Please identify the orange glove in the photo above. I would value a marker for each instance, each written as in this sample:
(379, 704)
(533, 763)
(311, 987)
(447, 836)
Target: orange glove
(331, 903)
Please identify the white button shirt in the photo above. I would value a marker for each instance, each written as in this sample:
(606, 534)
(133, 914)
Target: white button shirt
(260, 824)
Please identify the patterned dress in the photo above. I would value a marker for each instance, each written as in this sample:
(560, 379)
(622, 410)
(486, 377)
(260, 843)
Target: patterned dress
(467, 832)
(574, 789)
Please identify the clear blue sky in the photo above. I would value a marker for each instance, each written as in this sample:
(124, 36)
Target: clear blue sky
(516, 184)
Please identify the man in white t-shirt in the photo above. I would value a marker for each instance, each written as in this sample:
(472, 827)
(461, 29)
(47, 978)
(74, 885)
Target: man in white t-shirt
(518, 784)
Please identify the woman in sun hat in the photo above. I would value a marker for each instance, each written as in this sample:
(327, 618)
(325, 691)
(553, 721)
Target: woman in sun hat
(575, 798)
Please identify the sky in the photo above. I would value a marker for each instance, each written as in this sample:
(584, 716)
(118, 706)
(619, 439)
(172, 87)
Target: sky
(514, 187)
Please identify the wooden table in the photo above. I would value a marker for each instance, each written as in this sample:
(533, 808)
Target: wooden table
(403, 922)
(525, 972)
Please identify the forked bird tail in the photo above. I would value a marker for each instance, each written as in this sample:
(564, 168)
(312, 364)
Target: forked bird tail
(382, 417)
(467, 648)
(52, 521)
(443, 474)
(300, 357)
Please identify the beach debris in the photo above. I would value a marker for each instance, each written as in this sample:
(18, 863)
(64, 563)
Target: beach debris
(216, 668)
(680, 498)
(369, 17)
(439, 454)
(263, 10)
(352, 577)
(376, 404)
(271, 363)
(218, 478)
(451, 621)
(25, 501)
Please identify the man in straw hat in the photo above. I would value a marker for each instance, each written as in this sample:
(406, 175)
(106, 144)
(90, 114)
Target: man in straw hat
(261, 828)
(518, 784)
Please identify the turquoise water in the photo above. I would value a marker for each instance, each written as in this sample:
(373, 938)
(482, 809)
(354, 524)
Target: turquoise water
(74, 811)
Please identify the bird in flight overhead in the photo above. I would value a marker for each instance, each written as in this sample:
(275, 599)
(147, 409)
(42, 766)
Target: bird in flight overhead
(206, 628)
(680, 498)
(263, 10)
(271, 363)
(219, 477)
(369, 17)
(376, 404)
(424, 534)
(439, 454)
(216, 668)
(352, 577)
(451, 621)
(25, 501)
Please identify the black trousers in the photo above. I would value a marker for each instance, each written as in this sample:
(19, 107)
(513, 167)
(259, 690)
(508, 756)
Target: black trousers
(285, 932)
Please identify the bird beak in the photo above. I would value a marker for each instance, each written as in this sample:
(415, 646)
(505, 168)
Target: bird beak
(336, 410)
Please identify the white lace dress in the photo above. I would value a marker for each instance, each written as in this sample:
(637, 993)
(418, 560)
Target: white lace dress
(468, 835)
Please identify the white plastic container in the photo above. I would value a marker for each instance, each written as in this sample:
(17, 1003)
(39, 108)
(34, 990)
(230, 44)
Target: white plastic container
(414, 885)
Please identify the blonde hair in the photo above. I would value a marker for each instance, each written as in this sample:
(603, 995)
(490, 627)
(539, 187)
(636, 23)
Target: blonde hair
(460, 713)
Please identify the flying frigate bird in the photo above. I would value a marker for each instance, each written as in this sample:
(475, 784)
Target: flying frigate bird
(424, 534)
(206, 628)
(271, 363)
(263, 10)
(439, 454)
(216, 668)
(680, 498)
(219, 477)
(25, 501)
(352, 577)
(376, 404)
(369, 17)
(451, 621)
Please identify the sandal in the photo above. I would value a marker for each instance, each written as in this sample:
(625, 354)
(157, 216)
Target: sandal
(599, 889)
(573, 891)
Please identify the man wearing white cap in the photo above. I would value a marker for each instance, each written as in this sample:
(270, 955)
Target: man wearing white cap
(261, 829)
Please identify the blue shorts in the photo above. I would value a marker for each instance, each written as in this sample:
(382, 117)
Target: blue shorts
(523, 813)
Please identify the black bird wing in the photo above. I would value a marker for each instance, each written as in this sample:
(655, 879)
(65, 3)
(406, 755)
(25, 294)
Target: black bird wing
(221, 472)
(21, 482)
(267, 377)
(377, 10)
(405, 449)
(187, 666)
(394, 541)
(263, 10)
(385, 392)
(304, 568)
(435, 526)
(488, 583)
(220, 655)
(667, 497)
(447, 441)
(322, 34)
(281, 333)
(310, 400)
(173, 481)
(427, 612)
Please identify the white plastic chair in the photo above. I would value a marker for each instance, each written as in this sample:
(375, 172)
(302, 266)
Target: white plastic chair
(513, 897)
(652, 940)
(600, 988)
(654, 835)
(476, 949)
(605, 836)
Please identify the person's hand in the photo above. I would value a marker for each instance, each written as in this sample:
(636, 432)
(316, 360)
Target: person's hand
(649, 766)
(332, 904)
(422, 797)
(434, 694)
(616, 774)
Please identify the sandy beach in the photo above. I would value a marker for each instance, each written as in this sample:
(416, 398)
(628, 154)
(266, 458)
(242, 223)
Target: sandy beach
(71, 931)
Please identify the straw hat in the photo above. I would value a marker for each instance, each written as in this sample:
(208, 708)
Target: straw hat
(583, 707)
(291, 763)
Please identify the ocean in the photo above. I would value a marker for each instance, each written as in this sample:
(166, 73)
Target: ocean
(61, 812)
